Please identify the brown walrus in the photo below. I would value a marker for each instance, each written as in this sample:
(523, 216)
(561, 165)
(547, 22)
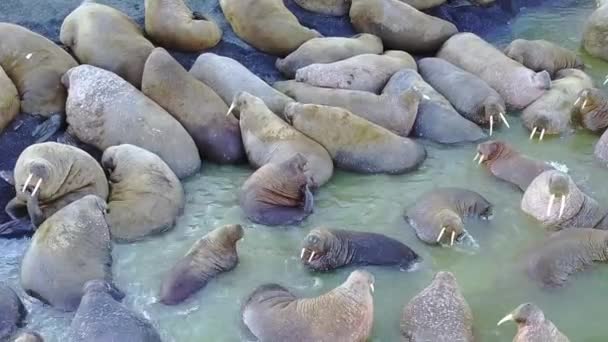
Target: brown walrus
(591, 110)
(9, 100)
(539, 55)
(532, 325)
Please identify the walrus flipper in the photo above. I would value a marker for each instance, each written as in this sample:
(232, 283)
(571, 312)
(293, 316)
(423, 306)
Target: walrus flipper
(199, 16)
(47, 129)
(16, 229)
(34, 211)
(15, 210)
(8, 177)
(308, 200)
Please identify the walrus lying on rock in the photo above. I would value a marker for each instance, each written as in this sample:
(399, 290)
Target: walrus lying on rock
(104, 110)
(213, 254)
(346, 313)
(267, 25)
(328, 7)
(171, 24)
(328, 249)
(539, 55)
(532, 325)
(12, 311)
(9, 100)
(591, 110)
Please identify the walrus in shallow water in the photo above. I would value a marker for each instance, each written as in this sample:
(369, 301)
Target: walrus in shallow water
(196, 106)
(539, 55)
(12, 311)
(439, 313)
(145, 195)
(591, 110)
(278, 193)
(328, 50)
(104, 110)
(532, 325)
(346, 313)
(328, 249)
(101, 317)
(267, 25)
(9, 100)
(438, 214)
(213, 254)
(518, 85)
(104, 37)
(172, 25)
(354, 143)
(601, 149)
(328, 7)
(509, 165)
(70, 248)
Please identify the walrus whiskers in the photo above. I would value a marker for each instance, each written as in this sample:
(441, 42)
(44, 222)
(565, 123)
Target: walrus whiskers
(533, 132)
(27, 182)
(550, 206)
(441, 234)
(504, 119)
(562, 207)
(491, 124)
(37, 187)
(452, 238)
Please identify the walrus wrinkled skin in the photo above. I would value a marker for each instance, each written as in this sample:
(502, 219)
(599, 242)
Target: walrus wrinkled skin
(227, 78)
(539, 55)
(552, 113)
(328, 7)
(438, 214)
(267, 25)
(591, 110)
(395, 112)
(596, 32)
(146, 197)
(9, 100)
(532, 325)
(328, 50)
(401, 26)
(12, 311)
(104, 110)
(210, 256)
(566, 252)
(354, 143)
(436, 119)
(70, 248)
(556, 202)
(368, 72)
(423, 4)
(28, 336)
(104, 37)
(507, 164)
(273, 313)
(601, 149)
(328, 249)
(268, 139)
(518, 85)
(278, 194)
(196, 106)
(102, 318)
(472, 97)
(439, 313)
(172, 25)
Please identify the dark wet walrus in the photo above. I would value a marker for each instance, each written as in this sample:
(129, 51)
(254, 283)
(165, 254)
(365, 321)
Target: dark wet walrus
(102, 318)
(532, 326)
(328, 249)
(213, 254)
(346, 313)
(12, 311)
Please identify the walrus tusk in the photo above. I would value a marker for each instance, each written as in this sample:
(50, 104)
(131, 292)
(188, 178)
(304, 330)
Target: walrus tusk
(302, 254)
(477, 156)
(562, 207)
(577, 101)
(504, 119)
(371, 286)
(605, 81)
(424, 96)
(481, 159)
(542, 135)
(550, 206)
(584, 103)
(27, 182)
(452, 238)
(491, 124)
(533, 132)
(441, 234)
(507, 318)
(230, 109)
(37, 186)
(312, 255)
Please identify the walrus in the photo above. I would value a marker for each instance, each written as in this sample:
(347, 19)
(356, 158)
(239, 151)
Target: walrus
(101, 317)
(273, 313)
(327, 249)
(591, 110)
(172, 25)
(518, 85)
(70, 248)
(601, 149)
(12, 311)
(104, 37)
(552, 113)
(395, 112)
(438, 214)
(227, 78)
(539, 55)
(336, 8)
(267, 25)
(279, 193)
(401, 26)
(268, 139)
(213, 254)
(367, 72)
(439, 313)
(436, 119)
(532, 325)
(354, 143)
(472, 97)
(505, 163)
(146, 197)
(104, 110)
(9, 100)
(28, 336)
(594, 33)
(424, 4)
(196, 106)
(328, 50)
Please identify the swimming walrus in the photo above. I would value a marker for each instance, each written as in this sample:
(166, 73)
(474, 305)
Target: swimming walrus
(591, 110)
(211, 255)
(327, 249)
(328, 50)
(196, 106)
(267, 25)
(104, 110)
(328, 7)
(12, 311)
(172, 25)
(145, 195)
(354, 143)
(539, 55)
(104, 37)
(532, 325)
(9, 100)
(70, 248)
(346, 313)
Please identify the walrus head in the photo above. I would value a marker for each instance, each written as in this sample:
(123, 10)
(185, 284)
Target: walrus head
(317, 245)
(559, 187)
(451, 225)
(541, 124)
(360, 282)
(240, 100)
(524, 314)
(228, 235)
(101, 286)
(491, 151)
(40, 172)
(591, 109)
(493, 114)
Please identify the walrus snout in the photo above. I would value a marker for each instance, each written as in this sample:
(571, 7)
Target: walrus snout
(541, 124)
(542, 80)
(559, 187)
(488, 151)
(314, 246)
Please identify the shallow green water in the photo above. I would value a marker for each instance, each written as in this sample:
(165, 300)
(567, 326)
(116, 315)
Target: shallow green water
(489, 274)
